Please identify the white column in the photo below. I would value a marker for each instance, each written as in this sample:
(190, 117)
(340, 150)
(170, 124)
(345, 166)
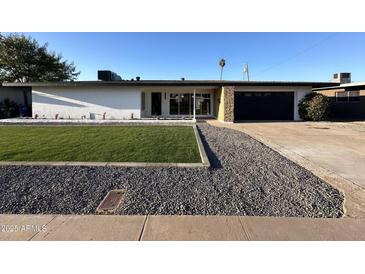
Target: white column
(194, 106)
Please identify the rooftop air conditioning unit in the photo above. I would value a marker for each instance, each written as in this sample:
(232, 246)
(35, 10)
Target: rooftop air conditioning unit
(342, 77)
(107, 75)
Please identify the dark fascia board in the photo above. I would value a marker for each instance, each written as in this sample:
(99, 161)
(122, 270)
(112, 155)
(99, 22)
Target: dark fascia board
(327, 88)
(198, 83)
(15, 87)
(352, 87)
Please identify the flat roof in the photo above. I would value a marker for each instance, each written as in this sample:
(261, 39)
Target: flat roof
(343, 86)
(170, 83)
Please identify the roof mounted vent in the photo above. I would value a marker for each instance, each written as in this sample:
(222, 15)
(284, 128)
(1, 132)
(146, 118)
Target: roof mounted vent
(342, 77)
(107, 75)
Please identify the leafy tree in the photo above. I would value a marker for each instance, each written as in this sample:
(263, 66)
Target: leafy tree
(314, 107)
(22, 59)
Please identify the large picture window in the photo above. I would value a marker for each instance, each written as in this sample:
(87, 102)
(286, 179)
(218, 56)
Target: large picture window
(182, 104)
(186, 104)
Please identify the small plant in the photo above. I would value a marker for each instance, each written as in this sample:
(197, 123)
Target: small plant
(8, 109)
(314, 107)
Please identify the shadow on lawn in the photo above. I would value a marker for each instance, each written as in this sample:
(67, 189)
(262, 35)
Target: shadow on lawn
(213, 159)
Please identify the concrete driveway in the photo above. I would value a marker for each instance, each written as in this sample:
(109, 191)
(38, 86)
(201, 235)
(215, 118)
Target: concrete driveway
(337, 147)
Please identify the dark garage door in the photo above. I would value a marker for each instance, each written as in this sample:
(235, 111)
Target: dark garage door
(263, 106)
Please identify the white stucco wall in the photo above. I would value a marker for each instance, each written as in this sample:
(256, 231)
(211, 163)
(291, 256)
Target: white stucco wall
(75, 102)
(122, 102)
(299, 93)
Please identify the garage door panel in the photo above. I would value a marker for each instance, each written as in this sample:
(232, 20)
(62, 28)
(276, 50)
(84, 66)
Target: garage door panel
(264, 105)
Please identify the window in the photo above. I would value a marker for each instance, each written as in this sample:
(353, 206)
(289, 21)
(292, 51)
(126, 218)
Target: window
(348, 96)
(341, 96)
(183, 104)
(186, 104)
(174, 104)
(354, 96)
(202, 104)
(143, 101)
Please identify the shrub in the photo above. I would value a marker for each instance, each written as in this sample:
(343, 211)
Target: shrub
(304, 104)
(314, 107)
(8, 109)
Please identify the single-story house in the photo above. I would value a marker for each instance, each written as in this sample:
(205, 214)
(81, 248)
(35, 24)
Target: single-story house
(228, 101)
(347, 100)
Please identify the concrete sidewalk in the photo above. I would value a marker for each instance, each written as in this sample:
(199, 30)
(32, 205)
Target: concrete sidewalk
(134, 228)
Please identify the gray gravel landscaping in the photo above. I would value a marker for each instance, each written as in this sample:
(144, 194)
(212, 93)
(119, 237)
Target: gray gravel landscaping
(246, 178)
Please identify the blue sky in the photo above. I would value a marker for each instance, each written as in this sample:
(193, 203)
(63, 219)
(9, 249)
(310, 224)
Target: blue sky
(271, 56)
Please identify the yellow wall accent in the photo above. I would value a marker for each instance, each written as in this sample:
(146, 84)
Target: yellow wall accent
(221, 106)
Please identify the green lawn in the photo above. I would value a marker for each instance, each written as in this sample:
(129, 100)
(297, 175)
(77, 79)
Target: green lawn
(99, 144)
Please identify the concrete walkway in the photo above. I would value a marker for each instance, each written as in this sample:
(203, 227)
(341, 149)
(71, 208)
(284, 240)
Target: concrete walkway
(134, 228)
(333, 151)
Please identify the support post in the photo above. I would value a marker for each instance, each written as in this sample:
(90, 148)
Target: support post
(194, 106)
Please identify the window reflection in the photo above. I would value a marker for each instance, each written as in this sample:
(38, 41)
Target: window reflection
(182, 104)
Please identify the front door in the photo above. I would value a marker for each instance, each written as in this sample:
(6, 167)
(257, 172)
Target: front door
(156, 103)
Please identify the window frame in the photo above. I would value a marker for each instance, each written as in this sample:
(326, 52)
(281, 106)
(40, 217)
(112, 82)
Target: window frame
(200, 96)
(143, 101)
(357, 96)
(348, 96)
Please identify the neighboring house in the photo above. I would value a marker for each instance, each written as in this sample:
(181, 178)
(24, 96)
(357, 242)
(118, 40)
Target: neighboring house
(347, 99)
(228, 101)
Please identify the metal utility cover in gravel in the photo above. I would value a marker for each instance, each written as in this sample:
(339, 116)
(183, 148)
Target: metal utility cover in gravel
(246, 178)
(111, 202)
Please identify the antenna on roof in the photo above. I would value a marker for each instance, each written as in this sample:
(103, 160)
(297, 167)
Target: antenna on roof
(246, 71)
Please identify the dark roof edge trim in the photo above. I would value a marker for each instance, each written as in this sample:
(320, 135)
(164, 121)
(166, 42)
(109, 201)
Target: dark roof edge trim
(170, 83)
